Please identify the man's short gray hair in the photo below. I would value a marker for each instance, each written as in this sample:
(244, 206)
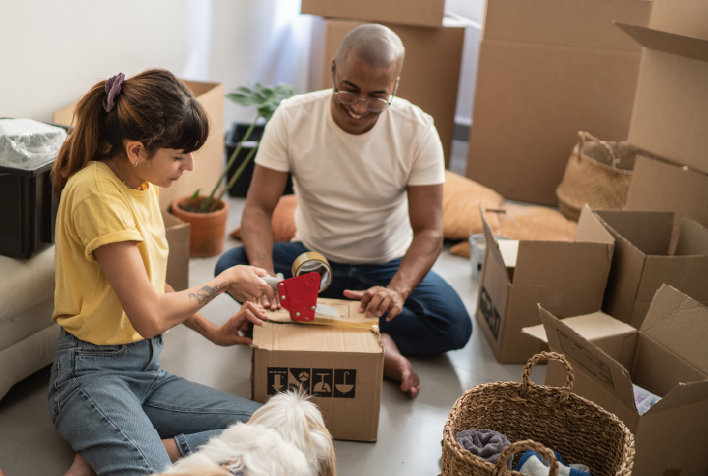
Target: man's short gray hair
(375, 44)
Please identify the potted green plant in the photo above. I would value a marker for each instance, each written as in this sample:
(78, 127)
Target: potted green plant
(207, 214)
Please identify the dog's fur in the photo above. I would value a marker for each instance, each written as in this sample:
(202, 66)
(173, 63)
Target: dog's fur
(285, 437)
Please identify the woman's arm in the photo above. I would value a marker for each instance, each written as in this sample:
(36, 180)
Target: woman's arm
(228, 334)
(151, 313)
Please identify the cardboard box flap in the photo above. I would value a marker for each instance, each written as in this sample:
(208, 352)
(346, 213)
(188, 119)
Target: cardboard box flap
(492, 246)
(649, 232)
(683, 394)
(557, 263)
(692, 239)
(586, 357)
(672, 342)
(687, 17)
(673, 43)
(591, 229)
(294, 337)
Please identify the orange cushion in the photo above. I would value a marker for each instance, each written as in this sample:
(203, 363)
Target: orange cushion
(283, 222)
(535, 223)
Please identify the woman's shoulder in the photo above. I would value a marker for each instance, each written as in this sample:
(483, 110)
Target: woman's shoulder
(94, 179)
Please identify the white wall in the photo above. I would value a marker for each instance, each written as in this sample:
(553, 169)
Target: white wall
(53, 52)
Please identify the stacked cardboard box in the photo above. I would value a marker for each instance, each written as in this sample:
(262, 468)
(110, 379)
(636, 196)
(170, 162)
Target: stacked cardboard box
(667, 357)
(431, 69)
(547, 70)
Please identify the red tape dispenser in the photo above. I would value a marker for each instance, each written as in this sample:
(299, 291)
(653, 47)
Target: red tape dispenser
(299, 296)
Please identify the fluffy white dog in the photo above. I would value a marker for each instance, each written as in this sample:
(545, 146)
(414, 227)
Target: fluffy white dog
(284, 437)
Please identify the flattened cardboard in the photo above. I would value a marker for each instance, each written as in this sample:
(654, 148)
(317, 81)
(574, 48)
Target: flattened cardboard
(208, 161)
(349, 315)
(177, 234)
(569, 277)
(670, 112)
(547, 70)
(643, 261)
(430, 74)
(669, 361)
(658, 185)
(402, 12)
(342, 367)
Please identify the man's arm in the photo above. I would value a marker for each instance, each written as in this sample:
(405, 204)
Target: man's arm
(425, 212)
(266, 188)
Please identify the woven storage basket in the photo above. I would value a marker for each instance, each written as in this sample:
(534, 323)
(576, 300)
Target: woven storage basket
(597, 173)
(554, 418)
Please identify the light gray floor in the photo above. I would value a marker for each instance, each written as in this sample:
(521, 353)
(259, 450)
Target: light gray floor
(409, 430)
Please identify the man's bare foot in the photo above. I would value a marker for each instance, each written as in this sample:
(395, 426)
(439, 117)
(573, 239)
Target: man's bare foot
(399, 368)
(80, 467)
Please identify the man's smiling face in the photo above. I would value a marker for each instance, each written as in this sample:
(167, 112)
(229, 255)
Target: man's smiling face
(356, 76)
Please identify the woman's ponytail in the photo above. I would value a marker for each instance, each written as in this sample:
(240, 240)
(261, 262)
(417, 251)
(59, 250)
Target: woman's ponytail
(82, 143)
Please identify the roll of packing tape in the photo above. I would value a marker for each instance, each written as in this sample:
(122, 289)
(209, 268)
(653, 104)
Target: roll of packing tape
(314, 262)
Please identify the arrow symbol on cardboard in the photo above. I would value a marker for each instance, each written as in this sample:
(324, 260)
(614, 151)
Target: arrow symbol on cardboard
(277, 385)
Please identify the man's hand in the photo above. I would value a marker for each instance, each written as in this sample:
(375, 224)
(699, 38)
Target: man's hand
(228, 334)
(378, 300)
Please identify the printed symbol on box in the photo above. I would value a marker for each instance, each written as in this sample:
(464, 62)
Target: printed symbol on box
(586, 360)
(299, 378)
(277, 379)
(344, 383)
(322, 382)
(489, 312)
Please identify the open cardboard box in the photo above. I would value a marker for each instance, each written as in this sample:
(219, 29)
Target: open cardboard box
(669, 360)
(548, 69)
(567, 277)
(341, 368)
(208, 161)
(644, 259)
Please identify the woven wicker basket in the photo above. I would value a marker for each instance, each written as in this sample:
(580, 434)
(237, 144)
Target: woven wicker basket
(598, 173)
(552, 417)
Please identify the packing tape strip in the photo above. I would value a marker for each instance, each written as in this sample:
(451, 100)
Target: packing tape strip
(312, 261)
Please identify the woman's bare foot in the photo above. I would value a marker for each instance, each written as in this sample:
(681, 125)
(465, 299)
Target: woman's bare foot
(80, 467)
(399, 368)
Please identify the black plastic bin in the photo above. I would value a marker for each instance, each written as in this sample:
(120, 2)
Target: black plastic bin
(235, 135)
(28, 209)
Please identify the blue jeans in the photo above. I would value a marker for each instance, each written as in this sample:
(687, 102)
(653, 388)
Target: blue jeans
(433, 321)
(114, 404)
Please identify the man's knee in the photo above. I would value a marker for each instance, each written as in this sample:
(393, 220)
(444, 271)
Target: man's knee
(232, 257)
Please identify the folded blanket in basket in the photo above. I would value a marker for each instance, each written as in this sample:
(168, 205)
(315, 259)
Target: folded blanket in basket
(533, 464)
(487, 444)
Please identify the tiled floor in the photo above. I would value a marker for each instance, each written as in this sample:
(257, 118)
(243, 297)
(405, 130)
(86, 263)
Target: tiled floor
(409, 430)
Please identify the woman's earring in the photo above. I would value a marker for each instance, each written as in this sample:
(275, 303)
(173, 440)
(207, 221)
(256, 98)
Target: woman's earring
(135, 164)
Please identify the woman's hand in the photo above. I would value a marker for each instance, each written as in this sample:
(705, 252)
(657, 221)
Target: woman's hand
(228, 334)
(246, 283)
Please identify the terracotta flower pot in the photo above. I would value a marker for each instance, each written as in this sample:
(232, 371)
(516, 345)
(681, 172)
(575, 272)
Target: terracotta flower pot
(206, 235)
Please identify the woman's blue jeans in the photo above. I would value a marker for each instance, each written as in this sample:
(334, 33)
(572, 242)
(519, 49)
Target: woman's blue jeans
(114, 404)
(434, 319)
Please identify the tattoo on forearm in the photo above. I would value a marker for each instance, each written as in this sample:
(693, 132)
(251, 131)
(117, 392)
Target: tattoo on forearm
(260, 256)
(200, 326)
(207, 293)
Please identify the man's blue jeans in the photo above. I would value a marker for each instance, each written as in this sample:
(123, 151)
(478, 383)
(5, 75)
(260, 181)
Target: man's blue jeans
(434, 319)
(114, 404)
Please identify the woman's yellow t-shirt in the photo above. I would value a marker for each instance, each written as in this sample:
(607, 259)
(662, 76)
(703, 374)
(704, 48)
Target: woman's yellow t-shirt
(96, 209)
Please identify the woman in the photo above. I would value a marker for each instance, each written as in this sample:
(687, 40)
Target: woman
(108, 396)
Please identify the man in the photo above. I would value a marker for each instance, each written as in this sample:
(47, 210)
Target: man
(368, 170)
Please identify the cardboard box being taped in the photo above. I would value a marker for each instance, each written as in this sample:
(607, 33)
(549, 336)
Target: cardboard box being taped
(669, 360)
(341, 368)
(568, 277)
(645, 258)
(208, 161)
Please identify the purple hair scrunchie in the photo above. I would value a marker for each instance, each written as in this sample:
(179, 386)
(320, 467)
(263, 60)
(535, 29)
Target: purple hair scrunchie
(113, 87)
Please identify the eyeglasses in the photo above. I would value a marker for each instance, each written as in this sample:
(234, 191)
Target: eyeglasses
(371, 104)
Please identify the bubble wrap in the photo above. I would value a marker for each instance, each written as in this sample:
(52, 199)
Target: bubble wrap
(26, 144)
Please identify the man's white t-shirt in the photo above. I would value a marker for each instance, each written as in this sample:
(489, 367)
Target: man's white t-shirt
(351, 189)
